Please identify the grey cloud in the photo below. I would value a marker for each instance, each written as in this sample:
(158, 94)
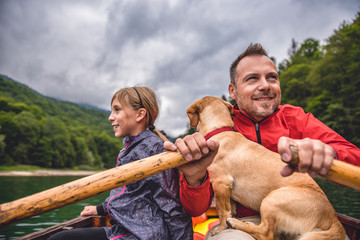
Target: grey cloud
(86, 50)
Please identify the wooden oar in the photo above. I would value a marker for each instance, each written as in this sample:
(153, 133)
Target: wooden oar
(340, 172)
(87, 187)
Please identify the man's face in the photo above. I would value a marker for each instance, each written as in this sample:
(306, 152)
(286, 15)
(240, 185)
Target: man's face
(257, 91)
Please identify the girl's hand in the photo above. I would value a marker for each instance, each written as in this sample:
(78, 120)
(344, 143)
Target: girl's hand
(88, 211)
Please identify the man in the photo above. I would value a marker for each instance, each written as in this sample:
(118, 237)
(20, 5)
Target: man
(259, 116)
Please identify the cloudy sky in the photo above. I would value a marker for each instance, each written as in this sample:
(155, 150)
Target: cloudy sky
(84, 50)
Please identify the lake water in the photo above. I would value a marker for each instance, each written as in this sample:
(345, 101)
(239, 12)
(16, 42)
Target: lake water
(12, 188)
(345, 200)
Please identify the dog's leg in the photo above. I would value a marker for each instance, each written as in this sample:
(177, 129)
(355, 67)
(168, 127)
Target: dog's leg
(270, 210)
(233, 207)
(222, 191)
(336, 232)
(264, 231)
(296, 210)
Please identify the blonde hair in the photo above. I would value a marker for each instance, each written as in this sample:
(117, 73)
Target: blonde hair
(139, 97)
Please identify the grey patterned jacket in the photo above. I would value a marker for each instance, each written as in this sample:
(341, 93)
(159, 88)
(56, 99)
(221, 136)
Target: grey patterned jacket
(149, 208)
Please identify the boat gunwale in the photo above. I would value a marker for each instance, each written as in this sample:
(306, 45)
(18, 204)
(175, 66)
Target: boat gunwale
(351, 225)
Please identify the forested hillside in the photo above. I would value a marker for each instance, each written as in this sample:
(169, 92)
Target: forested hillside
(325, 79)
(46, 132)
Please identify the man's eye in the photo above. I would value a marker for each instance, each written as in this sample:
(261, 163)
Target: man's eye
(273, 77)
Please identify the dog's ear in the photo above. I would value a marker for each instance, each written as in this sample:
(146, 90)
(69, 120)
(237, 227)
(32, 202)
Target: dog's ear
(193, 115)
(229, 106)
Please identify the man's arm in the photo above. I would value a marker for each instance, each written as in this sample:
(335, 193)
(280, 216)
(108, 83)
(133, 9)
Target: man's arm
(195, 189)
(196, 200)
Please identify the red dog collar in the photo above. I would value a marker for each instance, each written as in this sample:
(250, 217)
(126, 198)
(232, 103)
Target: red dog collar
(219, 130)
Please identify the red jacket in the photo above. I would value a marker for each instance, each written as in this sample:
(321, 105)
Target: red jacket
(289, 121)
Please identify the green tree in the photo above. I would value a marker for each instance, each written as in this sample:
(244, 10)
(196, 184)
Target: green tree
(29, 130)
(63, 153)
(325, 80)
(44, 153)
(108, 149)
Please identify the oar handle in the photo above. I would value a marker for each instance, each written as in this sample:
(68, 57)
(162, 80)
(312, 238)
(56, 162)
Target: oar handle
(340, 172)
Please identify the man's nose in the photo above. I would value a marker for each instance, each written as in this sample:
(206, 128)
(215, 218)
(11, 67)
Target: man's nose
(263, 84)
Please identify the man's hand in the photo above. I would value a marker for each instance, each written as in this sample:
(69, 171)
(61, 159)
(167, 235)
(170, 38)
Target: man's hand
(193, 147)
(315, 157)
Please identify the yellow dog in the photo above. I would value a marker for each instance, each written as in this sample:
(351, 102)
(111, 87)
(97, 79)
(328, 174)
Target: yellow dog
(248, 173)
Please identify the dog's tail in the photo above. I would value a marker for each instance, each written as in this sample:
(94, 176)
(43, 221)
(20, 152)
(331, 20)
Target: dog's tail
(335, 232)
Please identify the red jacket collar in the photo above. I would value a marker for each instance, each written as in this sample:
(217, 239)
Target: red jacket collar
(238, 113)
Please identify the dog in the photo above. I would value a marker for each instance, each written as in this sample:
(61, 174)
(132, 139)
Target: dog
(248, 173)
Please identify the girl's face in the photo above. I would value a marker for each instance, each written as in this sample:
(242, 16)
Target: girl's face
(123, 119)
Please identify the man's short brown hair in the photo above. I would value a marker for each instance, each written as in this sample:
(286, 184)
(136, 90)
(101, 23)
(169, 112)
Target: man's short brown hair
(252, 50)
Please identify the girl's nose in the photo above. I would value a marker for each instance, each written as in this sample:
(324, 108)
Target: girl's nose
(111, 117)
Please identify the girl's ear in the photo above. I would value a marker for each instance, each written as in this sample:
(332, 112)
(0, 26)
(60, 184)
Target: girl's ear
(141, 114)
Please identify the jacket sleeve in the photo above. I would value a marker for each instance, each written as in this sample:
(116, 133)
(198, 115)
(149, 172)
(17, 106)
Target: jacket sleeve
(307, 126)
(100, 210)
(166, 196)
(195, 200)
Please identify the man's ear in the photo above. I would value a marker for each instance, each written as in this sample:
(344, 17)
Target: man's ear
(232, 91)
(193, 115)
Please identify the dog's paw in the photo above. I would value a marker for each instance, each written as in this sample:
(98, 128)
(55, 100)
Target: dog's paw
(217, 230)
(231, 222)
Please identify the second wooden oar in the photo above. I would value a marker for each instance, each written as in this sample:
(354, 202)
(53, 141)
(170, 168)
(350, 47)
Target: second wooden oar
(87, 187)
(340, 172)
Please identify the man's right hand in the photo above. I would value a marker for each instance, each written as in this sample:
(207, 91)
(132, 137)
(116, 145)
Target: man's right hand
(193, 147)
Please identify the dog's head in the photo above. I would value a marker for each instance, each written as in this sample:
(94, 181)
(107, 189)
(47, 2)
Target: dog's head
(219, 110)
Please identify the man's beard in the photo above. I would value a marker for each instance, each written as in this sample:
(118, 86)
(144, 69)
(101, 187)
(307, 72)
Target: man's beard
(265, 109)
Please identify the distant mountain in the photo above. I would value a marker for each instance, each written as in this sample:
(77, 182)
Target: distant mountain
(64, 110)
(44, 131)
(94, 108)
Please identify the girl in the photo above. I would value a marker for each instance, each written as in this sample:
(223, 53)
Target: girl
(146, 209)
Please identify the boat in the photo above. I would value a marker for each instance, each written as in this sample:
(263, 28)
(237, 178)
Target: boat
(351, 225)
(79, 222)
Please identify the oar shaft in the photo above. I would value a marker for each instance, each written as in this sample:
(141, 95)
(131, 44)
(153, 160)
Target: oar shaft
(87, 187)
(340, 172)
(345, 174)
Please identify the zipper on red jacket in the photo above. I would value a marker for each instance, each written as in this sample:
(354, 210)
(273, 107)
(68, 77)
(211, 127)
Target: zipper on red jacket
(257, 127)
(257, 130)
(257, 124)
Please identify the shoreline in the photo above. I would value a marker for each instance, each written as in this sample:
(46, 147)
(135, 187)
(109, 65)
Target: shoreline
(47, 173)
